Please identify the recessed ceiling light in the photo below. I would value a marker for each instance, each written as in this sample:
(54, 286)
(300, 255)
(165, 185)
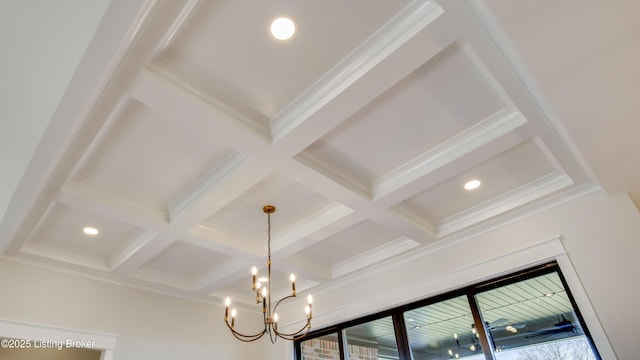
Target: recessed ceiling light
(472, 184)
(263, 279)
(91, 231)
(282, 28)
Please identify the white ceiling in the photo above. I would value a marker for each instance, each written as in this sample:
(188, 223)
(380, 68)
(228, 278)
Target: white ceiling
(185, 117)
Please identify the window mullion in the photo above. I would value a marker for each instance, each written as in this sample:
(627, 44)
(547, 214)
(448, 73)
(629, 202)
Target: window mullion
(483, 333)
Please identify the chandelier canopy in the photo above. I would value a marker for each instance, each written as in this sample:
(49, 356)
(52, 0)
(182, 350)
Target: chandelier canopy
(262, 289)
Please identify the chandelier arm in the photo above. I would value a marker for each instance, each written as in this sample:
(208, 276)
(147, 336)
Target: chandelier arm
(273, 335)
(243, 337)
(281, 300)
(296, 334)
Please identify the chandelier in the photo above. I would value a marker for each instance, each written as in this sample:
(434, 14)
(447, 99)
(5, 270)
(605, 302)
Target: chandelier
(262, 289)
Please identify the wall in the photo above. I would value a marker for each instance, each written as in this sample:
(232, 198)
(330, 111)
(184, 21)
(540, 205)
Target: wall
(147, 326)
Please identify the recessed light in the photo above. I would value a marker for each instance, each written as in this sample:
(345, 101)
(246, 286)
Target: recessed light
(472, 184)
(283, 28)
(263, 279)
(91, 231)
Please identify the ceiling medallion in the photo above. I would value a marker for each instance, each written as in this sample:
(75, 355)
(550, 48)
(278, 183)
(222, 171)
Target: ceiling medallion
(263, 296)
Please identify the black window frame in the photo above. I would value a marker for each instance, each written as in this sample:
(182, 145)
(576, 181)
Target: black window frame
(396, 313)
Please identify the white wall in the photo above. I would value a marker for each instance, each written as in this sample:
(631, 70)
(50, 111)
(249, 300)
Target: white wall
(147, 326)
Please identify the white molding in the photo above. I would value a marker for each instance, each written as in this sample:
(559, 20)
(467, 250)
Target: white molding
(99, 341)
(586, 308)
(439, 283)
(526, 193)
(486, 75)
(85, 196)
(19, 242)
(204, 186)
(118, 261)
(453, 148)
(316, 221)
(410, 21)
(104, 129)
(208, 237)
(355, 184)
(373, 256)
(64, 257)
(225, 273)
(176, 27)
(168, 76)
(163, 278)
(424, 222)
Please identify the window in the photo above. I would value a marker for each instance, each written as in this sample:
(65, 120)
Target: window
(372, 340)
(443, 330)
(534, 319)
(529, 315)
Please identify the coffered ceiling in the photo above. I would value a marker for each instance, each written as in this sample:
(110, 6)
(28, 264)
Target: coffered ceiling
(362, 130)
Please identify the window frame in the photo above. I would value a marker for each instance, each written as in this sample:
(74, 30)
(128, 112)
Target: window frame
(396, 313)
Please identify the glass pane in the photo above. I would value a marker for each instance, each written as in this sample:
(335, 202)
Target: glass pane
(533, 319)
(321, 348)
(371, 341)
(443, 330)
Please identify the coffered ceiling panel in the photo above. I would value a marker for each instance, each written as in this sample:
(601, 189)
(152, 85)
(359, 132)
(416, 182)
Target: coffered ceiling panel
(185, 260)
(348, 244)
(60, 236)
(140, 151)
(226, 49)
(520, 174)
(244, 219)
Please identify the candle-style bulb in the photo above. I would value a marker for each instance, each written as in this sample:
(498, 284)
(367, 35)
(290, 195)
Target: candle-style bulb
(264, 291)
(254, 271)
(227, 302)
(310, 299)
(233, 318)
(307, 309)
(292, 277)
(275, 317)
